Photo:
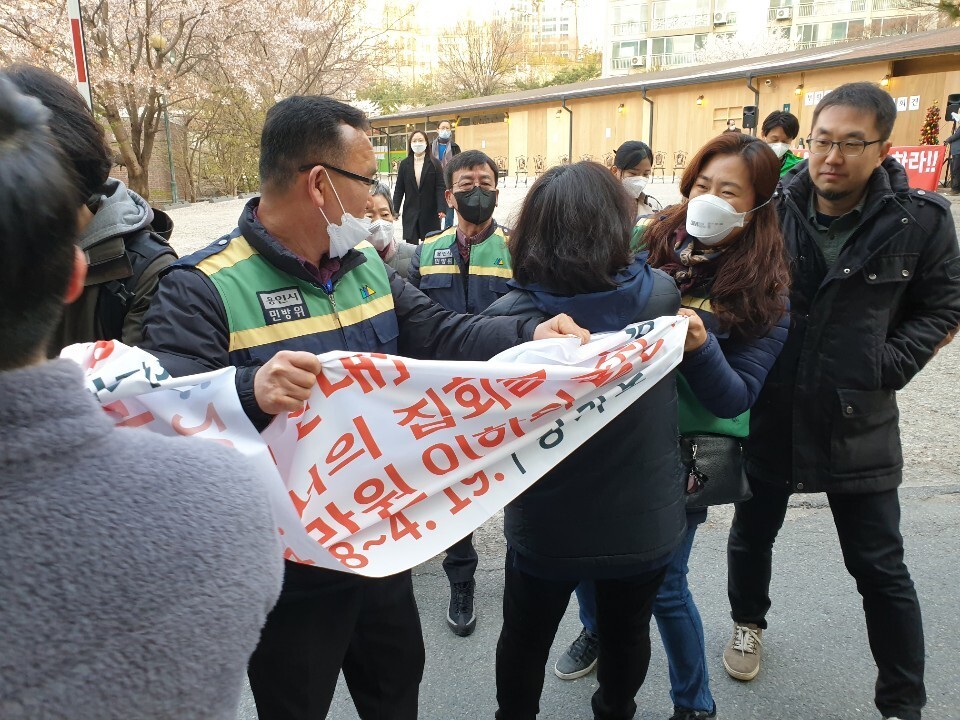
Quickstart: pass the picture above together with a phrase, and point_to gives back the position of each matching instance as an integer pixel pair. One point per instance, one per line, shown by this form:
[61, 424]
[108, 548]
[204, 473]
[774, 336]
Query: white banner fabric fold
[392, 460]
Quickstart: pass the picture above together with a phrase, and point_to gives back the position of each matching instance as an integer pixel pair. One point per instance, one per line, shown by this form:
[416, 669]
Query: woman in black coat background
[420, 189]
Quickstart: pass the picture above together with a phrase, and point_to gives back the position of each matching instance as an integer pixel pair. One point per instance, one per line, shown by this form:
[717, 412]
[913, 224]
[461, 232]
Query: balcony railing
[889, 5]
[838, 7]
[673, 59]
[638, 27]
[678, 22]
[818, 43]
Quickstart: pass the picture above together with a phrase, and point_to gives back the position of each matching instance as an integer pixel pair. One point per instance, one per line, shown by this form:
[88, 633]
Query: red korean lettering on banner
[124, 418]
[525, 384]
[304, 427]
[345, 443]
[475, 394]
[567, 403]
[493, 437]
[443, 458]
[374, 493]
[326, 531]
[210, 419]
[362, 369]
[440, 418]
[316, 487]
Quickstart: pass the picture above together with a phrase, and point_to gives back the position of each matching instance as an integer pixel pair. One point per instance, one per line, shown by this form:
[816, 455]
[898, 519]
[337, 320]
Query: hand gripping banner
[392, 460]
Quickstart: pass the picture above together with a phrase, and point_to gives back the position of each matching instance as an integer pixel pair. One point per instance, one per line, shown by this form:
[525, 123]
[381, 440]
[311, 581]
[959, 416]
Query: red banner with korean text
[923, 163]
[392, 460]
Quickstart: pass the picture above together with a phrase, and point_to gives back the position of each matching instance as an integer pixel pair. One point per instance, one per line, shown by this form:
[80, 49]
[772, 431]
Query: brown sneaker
[741, 656]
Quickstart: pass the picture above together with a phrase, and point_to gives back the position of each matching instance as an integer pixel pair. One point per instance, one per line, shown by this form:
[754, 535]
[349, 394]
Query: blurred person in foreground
[124, 241]
[136, 570]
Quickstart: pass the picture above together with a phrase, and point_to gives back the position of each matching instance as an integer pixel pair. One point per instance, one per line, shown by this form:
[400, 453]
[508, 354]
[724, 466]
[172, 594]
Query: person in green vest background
[465, 268]
[779, 130]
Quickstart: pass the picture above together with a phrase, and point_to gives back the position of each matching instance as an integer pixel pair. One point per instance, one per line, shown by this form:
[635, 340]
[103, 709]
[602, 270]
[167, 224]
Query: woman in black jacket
[420, 189]
[613, 511]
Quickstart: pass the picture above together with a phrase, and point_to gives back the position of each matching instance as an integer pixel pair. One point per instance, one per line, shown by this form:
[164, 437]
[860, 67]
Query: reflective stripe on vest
[488, 258]
[265, 305]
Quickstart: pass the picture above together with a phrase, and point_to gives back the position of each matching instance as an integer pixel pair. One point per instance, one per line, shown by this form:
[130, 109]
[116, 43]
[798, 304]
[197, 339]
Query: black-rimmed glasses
[371, 181]
[848, 148]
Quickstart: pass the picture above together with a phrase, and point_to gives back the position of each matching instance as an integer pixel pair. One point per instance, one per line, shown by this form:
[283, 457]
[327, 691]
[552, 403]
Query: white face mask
[444, 134]
[418, 147]
[349, 233]
[710, 219]
[381, 234]
[635, 185]
[779, 148]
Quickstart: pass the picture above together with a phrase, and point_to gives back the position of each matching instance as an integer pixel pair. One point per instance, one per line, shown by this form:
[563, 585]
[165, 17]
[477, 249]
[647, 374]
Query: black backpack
[142, 248]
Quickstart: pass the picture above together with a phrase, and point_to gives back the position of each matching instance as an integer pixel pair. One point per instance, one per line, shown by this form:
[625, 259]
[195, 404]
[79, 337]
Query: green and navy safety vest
[693, 416]
[442, 278]
[268, 310]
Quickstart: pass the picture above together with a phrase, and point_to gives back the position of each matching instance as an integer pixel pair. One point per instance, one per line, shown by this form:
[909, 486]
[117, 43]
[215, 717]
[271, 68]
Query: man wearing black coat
[876, 292]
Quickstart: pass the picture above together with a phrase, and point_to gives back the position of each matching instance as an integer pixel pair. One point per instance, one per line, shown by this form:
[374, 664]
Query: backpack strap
[116, 296]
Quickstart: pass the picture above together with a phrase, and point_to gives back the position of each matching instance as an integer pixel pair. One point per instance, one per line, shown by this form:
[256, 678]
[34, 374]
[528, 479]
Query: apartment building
[644, 35]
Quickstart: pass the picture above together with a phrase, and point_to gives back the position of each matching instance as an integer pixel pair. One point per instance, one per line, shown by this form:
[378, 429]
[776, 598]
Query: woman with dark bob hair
[723, 249]
[612, 511]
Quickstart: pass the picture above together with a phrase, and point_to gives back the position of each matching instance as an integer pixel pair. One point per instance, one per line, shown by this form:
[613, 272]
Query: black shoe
[580, 658]
[680, 713]
[460, 616]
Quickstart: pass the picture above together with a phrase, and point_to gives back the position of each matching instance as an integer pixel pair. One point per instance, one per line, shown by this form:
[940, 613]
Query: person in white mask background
[382, 234]
[779, 131]
[443, 149]
[724, 251]
[633, 166]
[419, 190]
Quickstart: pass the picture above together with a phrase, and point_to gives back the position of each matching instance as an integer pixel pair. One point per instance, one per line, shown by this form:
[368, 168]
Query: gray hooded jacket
[114, 264]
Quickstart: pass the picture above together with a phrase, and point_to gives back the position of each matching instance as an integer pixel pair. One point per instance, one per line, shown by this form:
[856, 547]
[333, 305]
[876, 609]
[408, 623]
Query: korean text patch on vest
[443, 257]
[283, 305]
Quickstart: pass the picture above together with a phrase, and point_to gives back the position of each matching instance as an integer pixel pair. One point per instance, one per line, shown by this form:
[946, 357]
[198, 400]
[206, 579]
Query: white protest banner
[392, 460]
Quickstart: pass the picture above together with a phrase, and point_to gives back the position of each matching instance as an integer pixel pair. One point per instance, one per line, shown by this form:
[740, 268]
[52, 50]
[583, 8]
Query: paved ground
[816, 660]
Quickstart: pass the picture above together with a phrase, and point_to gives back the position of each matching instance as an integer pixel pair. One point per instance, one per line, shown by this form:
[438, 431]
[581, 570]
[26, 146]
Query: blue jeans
[681, 630]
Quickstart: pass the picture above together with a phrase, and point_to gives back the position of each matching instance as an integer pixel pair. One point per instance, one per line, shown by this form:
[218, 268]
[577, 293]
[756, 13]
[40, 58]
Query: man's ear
[77, 276]
[451, 201]
[318, 186]
[884, 150]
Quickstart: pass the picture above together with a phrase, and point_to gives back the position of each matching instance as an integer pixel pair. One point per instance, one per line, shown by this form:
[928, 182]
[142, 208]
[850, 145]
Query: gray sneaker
[580, 658]
[741, 656]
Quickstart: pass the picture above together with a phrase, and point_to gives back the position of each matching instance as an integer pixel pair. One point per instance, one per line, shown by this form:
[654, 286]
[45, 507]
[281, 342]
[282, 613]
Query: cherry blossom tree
[190, 55]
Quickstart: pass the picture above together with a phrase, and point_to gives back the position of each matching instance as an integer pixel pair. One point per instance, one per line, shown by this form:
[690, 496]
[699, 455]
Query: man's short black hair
[38, 218]
[865, 96]
[302, 130]
[784, 120]
[73, 126]
[466, 160]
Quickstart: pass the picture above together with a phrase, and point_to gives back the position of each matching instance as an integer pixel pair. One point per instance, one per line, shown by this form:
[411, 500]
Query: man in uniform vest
[465, 268]
[295, 279]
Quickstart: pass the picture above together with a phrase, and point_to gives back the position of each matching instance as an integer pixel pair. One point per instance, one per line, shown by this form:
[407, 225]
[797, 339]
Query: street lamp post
[159, 44]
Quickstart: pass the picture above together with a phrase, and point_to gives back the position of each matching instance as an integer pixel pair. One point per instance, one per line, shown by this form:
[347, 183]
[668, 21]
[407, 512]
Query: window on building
[807, 33]
[626, 49]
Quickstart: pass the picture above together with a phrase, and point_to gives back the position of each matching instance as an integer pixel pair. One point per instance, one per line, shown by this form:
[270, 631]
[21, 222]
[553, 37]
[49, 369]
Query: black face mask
[476, 206]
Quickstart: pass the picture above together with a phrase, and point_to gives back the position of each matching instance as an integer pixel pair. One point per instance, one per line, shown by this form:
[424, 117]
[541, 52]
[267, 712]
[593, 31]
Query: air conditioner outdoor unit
[638, 61]
[720, 18]
[783, 13]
